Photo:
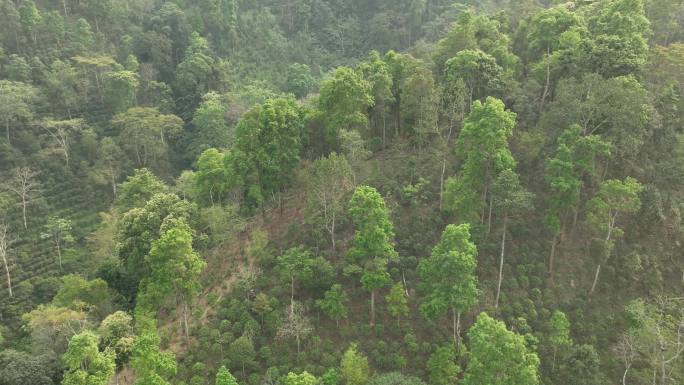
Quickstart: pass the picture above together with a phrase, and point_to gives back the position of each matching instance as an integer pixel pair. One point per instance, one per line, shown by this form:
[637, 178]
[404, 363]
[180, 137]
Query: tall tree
[175, 268]
[574, 160]
[295, 264]
[86, 364]
[397, 301]
[442, 366]
[329, 179]
[61, 132]
[448, 280]
[372, 244]
[333, 303]
[509, 198]
[151, 366]
[483, 143]
[295, 325]
[344, 98]
[615, 197]
[559, 334]
[224, 377]
[266, 149]
[498, 356]
[16, 100]
[620, 28]
[477, 70]
[354, 366]
[144, 133]
[59, 231]
[4, 254]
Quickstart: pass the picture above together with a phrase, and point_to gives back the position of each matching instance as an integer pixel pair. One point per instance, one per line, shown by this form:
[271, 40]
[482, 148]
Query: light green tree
[224, 377]
[329, 180]
[266, 150]
[615, 197]
[575, 158]
[448, 280]
[209, 126]
[16, 99]
[498, 356]
[509, 198]
[210, 179]
[295, 264]
[354, 367]
[59, 231]
[145, 132]
[138, 188]
[175, 268]
[344, 98]
[303, 378]
[442, 366]
[397, 301]
[86, 364]
[372, 244]
[151, 366]
[559, 334]
[333, 303]
[477, 70]
[483, 144]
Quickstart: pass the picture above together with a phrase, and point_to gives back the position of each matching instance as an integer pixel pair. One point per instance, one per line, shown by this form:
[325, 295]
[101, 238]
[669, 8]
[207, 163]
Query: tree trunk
[332, 230]
[59, 253]
[7, 130]
[489, 216]
[553, 253]
[456, 319]
[553, 362]
[23, 210]
[548, 79]
[185, 320]
[372, 315]
[9, 279]
[441, 183]
[291, 295]
[624, 375]
[596, 277]
[501, 262]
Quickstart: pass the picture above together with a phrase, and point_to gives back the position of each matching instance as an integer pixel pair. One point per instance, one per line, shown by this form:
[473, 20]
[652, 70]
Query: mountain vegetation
[341, 192]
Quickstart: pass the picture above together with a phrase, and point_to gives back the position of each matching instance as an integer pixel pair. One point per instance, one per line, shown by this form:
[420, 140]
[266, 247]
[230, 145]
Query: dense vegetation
[341, 192]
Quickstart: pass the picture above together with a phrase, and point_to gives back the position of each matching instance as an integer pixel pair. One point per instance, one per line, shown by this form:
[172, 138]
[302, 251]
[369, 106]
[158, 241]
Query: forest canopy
[341, 192]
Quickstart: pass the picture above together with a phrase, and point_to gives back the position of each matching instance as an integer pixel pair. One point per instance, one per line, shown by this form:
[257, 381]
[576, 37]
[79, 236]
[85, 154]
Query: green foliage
[145, 133]
[333, 303]
[498, 356]
[442, 366]
[448, 277]
[343, 99]
[86, 365]
[299, 80]
[224, 377]
[151, 366]
[354, 367]
[20, 368]
[209, 126]
[266, 150]
[483, 143]
[395, 378]
[614, 197]
[478, 70]
[373, 236]
[138, 189]
[397, 301]
[174, 266]
[303, 378]
[559, 328]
